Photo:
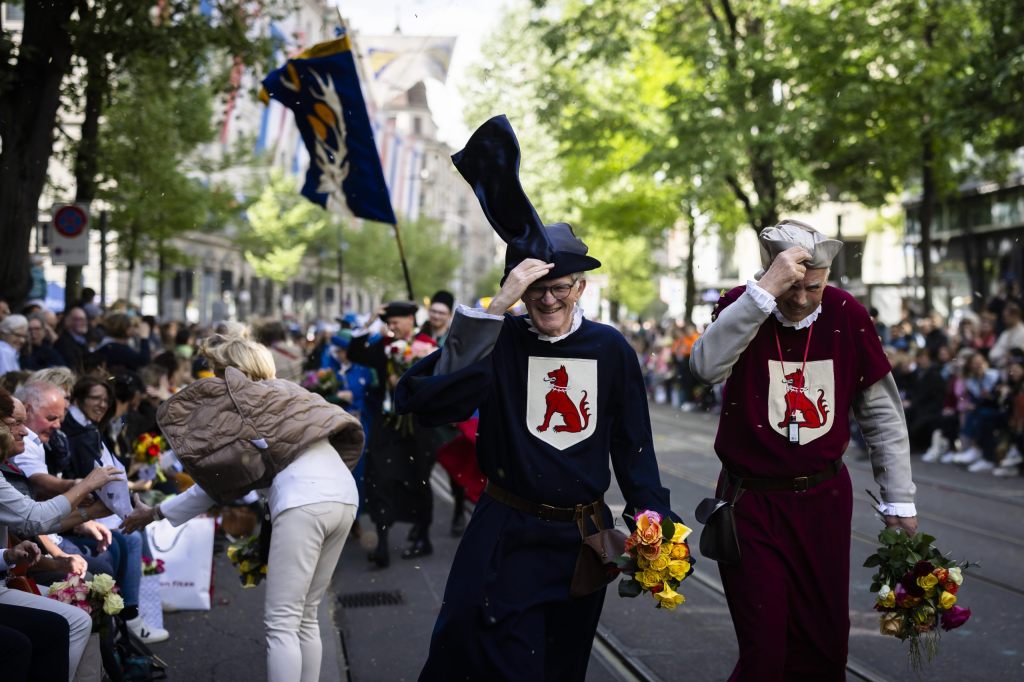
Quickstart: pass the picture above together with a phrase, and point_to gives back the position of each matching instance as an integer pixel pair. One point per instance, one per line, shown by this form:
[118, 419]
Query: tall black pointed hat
[490, 164]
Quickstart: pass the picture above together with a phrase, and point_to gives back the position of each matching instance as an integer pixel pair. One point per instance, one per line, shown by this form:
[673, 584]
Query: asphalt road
[384, 624]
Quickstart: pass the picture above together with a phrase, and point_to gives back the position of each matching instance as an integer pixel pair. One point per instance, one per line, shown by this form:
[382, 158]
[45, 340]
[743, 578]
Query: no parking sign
[69, 234]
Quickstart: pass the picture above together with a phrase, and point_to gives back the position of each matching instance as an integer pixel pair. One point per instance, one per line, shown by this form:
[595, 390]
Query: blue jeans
[126, 558]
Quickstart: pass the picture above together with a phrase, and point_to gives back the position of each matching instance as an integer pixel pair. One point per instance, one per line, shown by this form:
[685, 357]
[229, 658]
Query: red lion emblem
[796, 399]
[558, 402]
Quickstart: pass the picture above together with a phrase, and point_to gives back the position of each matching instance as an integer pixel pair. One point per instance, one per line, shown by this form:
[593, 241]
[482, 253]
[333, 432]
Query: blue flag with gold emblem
[321, 87]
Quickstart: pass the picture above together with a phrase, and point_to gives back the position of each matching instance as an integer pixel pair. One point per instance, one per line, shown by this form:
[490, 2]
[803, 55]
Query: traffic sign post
[69, 234]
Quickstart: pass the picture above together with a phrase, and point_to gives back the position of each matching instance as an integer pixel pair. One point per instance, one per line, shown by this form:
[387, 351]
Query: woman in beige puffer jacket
[243, 430]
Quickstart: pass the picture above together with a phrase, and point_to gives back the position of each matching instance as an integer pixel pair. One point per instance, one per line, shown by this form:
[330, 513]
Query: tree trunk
[926, 214]
[691, 276]
[86, 158]
[28, 115]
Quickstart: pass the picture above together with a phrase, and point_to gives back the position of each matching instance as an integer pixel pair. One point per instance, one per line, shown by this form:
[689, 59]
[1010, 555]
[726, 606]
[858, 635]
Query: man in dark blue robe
[560, 397]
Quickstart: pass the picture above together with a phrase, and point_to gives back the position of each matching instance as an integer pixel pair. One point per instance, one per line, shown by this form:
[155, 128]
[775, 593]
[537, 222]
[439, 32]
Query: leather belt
[798, 484]
[545, 512]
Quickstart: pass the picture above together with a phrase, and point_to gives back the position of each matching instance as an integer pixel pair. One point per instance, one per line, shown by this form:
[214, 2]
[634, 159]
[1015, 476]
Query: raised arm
[722, 343]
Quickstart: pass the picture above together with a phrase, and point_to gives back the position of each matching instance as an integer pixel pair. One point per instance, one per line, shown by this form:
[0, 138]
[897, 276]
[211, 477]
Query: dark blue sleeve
[632, 447]
[446, 398]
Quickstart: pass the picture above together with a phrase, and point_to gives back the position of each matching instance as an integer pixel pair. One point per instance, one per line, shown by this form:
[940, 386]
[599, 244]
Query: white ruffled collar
[577, 320]
[802, 324]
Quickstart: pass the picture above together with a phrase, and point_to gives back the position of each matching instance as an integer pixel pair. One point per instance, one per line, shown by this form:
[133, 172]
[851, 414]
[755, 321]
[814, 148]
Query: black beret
[398, 309]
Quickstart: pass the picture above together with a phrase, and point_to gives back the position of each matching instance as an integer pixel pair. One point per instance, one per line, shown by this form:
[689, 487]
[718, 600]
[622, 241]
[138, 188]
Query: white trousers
[304, 551]
[79, 622]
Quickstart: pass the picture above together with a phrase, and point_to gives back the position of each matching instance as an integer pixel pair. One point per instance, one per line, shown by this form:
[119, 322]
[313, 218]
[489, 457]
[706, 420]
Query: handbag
[595, 563]
[719, 540]
[187, 551]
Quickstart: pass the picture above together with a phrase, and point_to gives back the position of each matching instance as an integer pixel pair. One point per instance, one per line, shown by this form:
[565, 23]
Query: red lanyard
[778, 345]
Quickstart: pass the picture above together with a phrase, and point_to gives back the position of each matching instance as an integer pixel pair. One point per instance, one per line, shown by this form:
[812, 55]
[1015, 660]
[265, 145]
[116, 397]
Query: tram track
[873, 541]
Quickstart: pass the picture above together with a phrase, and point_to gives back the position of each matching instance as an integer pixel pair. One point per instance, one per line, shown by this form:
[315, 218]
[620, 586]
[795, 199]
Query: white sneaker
[936, 451]
[949, 457]
[148, 635]
[968, 456]
[1006, 472]
[1013, 458]
[982, 466]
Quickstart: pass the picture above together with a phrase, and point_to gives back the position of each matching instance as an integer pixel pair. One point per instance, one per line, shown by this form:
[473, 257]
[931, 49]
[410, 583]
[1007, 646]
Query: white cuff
[477, 313]
[902, 509]
[763, 300]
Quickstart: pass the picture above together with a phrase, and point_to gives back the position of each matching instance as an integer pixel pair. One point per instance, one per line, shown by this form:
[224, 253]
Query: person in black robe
[562, 402]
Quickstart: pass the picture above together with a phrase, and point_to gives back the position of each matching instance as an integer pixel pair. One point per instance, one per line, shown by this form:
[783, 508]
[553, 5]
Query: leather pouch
[719, 540]
[595, 564]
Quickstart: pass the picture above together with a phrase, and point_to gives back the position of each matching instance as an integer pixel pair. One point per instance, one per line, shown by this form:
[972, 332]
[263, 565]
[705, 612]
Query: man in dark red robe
[796, 355]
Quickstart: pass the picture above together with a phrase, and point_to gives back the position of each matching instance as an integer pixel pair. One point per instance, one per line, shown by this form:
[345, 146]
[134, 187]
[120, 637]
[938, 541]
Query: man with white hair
[13, 335]
[45, 406]
[796, 355]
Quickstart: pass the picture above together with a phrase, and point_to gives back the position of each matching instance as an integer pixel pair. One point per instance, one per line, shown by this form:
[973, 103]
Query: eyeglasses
[559, 291]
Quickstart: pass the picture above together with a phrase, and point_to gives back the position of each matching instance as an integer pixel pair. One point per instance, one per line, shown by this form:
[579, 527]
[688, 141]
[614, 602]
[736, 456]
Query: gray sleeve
[28, 517]
[471, 338]
[879, 412]
[722, 343]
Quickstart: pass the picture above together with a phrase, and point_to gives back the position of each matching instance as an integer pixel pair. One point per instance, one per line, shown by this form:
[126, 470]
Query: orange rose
[951, 587]
[648, 529]
[679, 551]
[941, 574]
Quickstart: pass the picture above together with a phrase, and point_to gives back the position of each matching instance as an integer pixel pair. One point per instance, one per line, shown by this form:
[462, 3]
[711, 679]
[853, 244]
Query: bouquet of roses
[323, 382]
[95, 597]
[401, 356]
[404, 354]
[148, 449]
[152, 566]
[657, 559]
[245, 556]
[916, 591]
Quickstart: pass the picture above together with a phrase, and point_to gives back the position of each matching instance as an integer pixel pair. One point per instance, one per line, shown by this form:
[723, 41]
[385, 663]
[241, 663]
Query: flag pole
[405, 266]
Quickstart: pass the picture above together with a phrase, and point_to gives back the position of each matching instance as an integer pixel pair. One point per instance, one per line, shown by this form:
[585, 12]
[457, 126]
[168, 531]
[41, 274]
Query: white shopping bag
[187, 551]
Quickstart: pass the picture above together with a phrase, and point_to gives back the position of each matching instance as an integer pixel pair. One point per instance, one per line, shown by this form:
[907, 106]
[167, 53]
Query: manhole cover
[355, 600]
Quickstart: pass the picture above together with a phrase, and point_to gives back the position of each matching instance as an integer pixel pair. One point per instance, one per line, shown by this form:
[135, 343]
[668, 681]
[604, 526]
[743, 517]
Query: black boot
[380, 556]
[420, 546]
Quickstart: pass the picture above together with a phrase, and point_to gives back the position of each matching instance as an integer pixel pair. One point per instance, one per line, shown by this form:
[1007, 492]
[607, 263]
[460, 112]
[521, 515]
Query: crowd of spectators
[79, 390]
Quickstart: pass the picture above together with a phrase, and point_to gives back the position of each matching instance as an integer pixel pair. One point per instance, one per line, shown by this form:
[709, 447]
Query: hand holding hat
[788, 250]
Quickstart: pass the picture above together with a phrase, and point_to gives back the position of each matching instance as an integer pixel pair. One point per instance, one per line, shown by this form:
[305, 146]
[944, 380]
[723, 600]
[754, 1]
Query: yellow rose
[102, 583]
[946, 600]
[642, 562]
[955, 576]
[680, 532]
[648, 579]
[661, 562]
[112, 604]
[668, 598]
[678, 569]
[928, 582]
[891, 624]
[888, 601]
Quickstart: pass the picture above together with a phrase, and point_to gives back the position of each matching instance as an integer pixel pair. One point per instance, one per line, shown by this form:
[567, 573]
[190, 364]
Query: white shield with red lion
[561, 400]
[806, 393]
